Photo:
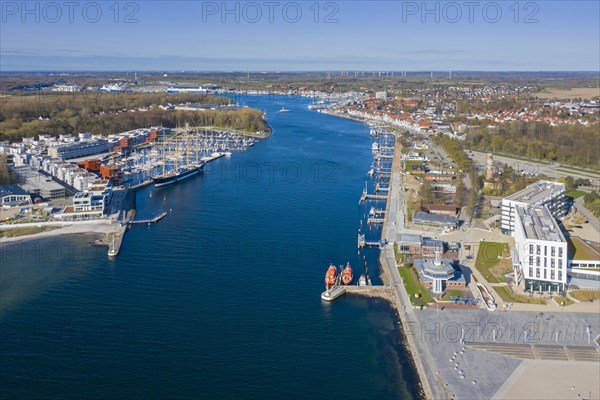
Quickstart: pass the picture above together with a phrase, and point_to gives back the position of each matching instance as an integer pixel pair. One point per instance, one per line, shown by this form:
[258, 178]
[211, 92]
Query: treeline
[247, 119]
[568, 144]
[27, 106]
[109, 113]
[454, 150]
[592, 203]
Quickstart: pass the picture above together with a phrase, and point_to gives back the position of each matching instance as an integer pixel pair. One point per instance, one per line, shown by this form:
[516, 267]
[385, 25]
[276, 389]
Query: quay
[151, 220]
[141, 185]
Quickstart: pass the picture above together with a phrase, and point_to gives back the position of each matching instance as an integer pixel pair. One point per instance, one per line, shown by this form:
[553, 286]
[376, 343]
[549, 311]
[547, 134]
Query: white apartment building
[540, 249]
[81, 148]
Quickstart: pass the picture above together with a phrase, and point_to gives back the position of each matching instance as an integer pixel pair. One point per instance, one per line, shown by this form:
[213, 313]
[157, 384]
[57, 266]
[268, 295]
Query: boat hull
[169, 180]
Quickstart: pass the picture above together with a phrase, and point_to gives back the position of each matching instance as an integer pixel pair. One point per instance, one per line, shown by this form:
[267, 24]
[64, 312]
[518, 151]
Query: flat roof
[539, 224]
[439, 219]
[537, 192]
[410, 238]
[11, 190]
[35, 180]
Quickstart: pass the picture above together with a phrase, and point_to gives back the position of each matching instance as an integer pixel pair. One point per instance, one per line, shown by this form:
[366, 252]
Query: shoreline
[99, 230]
[392, 296]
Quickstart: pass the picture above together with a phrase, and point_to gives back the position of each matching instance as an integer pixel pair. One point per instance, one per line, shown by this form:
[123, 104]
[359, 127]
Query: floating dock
[363, 243]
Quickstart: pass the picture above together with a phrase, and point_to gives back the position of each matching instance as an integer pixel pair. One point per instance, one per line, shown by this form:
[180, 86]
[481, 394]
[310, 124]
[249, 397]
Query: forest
[569, 144]
[107, 113]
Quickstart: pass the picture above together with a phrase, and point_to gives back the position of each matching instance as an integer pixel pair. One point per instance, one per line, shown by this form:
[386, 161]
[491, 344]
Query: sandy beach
[102, 229]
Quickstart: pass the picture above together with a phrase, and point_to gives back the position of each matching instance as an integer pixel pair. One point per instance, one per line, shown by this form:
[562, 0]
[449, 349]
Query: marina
[181, 153]
[170, 275]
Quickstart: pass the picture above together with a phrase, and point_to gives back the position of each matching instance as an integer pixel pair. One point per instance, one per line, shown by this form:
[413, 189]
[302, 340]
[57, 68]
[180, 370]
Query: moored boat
[331, 276]
[177, 175]
[347, 275]
[362, 281]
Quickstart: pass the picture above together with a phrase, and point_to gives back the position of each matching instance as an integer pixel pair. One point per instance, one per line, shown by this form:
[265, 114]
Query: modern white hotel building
[540, 250]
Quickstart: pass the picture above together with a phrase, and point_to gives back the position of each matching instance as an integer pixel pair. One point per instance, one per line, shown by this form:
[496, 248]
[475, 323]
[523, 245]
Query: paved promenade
[439, 340]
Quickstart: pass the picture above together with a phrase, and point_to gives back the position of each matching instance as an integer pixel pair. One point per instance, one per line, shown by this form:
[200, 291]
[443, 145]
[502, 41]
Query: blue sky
[293, 36]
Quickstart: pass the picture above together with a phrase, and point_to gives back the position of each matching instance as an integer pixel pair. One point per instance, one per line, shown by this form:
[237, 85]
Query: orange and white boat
[347, 275]
[331, 276]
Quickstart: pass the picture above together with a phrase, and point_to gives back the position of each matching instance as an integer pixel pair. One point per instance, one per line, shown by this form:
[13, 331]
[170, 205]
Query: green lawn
[561, 299]
[574, 194]
[452, 293]
[580, 250]
[489, 265]
[413, 286]
[585, 295]
[409, 164]
[508, 296]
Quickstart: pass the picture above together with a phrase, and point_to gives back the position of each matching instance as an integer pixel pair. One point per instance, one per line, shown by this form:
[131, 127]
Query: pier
[363, 243]
[338, 291]
[379, 188]
[366, 196]
[151, 220]
[116, 241]
[376, 212]
[373, 220]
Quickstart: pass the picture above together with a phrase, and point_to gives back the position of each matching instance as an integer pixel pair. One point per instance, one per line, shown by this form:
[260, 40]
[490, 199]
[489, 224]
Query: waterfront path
[431, 381]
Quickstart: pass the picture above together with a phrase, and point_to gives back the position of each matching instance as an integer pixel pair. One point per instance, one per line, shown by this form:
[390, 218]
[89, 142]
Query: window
[552, 274]
[537, 261]
[552, 251]
[545, 273]
[537, 272]
[530, 260]
[545, 250]
[560, 250]
[560, 275]
[531, 249]
[560, 263]
[545, 262]
[552, 263]
[530, 271]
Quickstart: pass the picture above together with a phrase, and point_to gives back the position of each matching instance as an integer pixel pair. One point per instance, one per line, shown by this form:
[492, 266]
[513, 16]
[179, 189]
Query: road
[533, 167]
[587, 214]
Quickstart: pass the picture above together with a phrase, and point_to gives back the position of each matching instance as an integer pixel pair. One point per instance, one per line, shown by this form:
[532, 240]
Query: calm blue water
[221, 298]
